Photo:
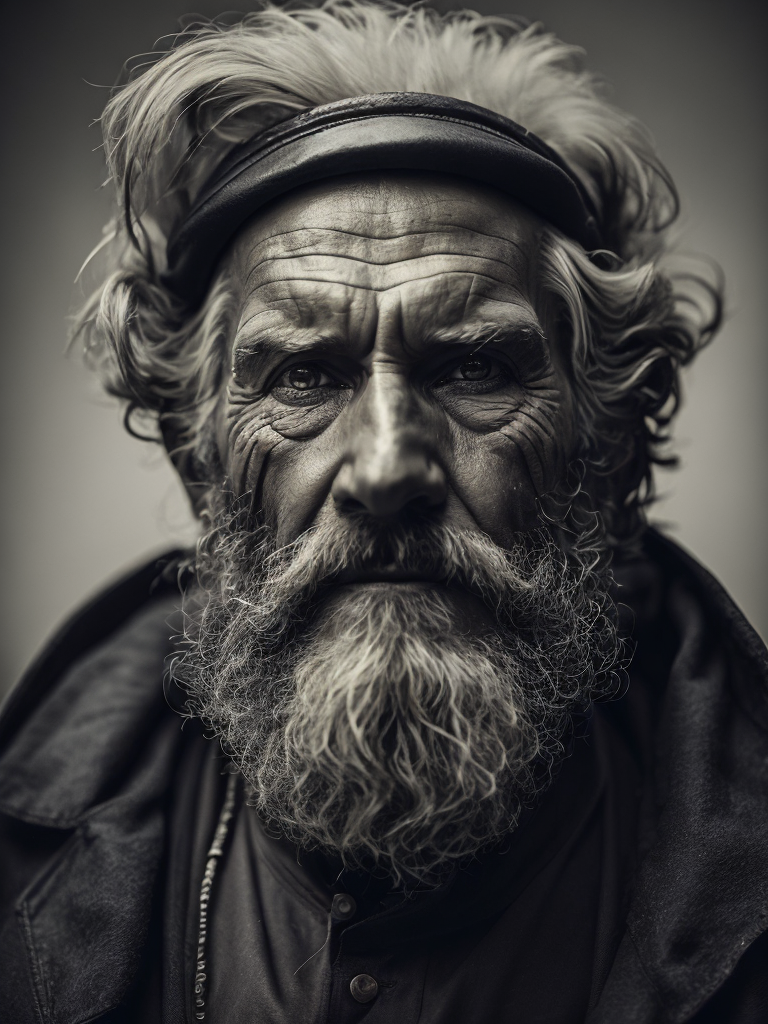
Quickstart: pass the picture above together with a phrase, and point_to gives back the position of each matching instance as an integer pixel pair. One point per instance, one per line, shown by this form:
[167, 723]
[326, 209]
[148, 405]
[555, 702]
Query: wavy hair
[631, 321]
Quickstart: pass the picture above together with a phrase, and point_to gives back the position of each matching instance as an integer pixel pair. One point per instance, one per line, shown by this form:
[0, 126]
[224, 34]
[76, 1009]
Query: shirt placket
[365, 982]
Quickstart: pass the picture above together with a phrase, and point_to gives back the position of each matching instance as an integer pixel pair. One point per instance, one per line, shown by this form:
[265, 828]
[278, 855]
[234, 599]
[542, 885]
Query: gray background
[83, 501]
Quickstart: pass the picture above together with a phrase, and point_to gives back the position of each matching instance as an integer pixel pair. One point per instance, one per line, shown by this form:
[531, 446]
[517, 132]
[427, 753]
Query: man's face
[393, 355]
[390, 641]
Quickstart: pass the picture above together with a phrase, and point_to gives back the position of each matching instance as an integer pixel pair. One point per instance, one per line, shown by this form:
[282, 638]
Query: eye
[306, 377]
[474, 368]
[307, 384]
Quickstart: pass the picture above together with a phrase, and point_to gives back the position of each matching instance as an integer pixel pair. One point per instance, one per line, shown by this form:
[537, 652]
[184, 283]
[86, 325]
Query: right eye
[306, 384]
[304, 378]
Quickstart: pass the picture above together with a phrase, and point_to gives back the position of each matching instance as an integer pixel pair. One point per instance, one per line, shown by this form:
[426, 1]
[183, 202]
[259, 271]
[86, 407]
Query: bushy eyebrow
[518, 333]
[285, 341]
[520, 328]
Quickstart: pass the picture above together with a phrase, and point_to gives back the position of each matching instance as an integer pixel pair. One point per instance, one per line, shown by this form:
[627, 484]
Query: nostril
[349, 504]
[428, 500]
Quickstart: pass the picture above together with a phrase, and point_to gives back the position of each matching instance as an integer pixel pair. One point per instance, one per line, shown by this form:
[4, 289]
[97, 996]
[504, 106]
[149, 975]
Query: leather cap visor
[378, 132]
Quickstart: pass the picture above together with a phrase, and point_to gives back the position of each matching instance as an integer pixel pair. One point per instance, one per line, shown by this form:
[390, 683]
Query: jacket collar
[88, 731]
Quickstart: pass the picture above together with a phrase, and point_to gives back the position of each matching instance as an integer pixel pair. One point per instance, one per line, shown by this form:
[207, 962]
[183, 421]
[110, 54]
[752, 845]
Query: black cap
[376, 132]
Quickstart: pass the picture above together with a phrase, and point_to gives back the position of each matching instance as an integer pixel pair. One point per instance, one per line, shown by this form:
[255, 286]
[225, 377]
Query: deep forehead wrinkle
[317, 256]
[335, 259]
[357, 278]
[338, 309]
[397, 209]
[313, 244]
[456, 238]
[445, 299]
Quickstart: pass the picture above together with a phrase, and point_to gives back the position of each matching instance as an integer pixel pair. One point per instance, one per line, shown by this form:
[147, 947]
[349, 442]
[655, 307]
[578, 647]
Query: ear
[195, 458]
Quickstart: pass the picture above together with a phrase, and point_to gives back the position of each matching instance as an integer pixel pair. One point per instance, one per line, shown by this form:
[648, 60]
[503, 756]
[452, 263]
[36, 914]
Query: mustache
[333, 553]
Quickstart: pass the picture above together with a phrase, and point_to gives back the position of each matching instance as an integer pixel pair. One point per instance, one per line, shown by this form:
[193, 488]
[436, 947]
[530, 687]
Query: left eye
[474, 368]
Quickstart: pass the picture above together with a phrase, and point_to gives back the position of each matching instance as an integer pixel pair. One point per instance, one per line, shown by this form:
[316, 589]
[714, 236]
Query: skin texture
[393, 354]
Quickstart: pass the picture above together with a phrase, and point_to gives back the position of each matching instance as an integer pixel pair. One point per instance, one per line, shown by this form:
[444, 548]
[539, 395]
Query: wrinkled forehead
[381, 232]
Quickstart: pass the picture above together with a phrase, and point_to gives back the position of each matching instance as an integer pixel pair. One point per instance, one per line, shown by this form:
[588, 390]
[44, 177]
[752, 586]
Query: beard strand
[388, 729]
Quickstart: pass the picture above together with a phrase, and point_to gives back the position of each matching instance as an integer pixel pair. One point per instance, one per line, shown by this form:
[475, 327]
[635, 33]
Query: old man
[464, 742]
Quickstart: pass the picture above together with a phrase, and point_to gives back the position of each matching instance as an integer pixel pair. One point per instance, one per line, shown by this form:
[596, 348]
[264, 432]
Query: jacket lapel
[85, 919]
[96, 756]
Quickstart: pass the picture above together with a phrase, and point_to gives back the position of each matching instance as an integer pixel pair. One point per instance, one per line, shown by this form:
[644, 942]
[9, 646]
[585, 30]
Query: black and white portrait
[385, 571]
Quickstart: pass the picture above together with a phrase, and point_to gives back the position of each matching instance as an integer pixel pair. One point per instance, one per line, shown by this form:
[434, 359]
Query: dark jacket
[92, 761]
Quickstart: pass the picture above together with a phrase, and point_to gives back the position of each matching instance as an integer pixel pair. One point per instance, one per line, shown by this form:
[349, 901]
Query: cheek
[491, 479]
[512, 452]
[284, 457]
[541, 432]
[295, 484]
[247, 441]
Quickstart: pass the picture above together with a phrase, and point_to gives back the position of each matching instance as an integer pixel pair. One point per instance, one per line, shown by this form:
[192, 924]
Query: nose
[389, 465]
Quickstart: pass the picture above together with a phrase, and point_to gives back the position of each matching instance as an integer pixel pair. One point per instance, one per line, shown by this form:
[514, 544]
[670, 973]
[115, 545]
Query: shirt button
[364, 988]
[343, 907]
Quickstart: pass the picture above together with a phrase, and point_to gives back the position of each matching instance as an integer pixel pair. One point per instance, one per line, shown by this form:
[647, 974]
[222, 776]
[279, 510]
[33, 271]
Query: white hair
[166, 130]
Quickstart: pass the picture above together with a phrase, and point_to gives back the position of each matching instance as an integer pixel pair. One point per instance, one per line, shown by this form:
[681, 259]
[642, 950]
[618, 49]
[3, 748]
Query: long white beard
[377, 723]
